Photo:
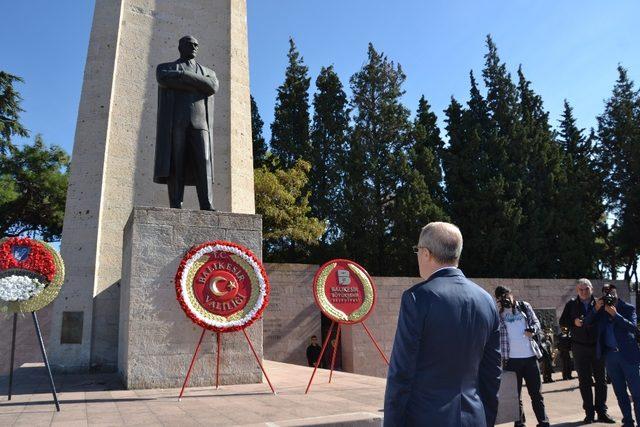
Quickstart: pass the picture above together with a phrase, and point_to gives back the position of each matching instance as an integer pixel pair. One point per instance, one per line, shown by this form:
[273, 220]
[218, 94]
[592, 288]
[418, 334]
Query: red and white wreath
[31, 274]
[222, 286]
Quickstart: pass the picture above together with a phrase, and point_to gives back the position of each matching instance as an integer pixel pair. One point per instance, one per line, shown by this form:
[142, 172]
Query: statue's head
[188, 47]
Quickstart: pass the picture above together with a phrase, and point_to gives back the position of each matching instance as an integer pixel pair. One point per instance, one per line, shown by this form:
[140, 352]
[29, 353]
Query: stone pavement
[98, 399]
[564, 405]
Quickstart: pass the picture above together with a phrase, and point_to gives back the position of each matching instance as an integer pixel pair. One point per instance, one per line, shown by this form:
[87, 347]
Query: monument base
[156, 339]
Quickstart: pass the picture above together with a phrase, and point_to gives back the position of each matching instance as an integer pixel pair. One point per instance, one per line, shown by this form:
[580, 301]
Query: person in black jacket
[583, 345]
[313, 351]
[564, 351]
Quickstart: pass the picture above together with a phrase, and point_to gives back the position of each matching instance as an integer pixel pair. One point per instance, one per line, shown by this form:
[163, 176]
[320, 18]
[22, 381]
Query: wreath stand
[333, 357]
[44, 357]
[219, 349]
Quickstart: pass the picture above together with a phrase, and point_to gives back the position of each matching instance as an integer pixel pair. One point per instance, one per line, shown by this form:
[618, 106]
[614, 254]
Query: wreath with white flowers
[31, 274]
[243, 263]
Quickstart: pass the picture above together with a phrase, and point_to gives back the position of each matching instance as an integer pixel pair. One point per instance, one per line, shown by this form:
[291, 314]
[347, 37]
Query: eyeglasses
[417, 248]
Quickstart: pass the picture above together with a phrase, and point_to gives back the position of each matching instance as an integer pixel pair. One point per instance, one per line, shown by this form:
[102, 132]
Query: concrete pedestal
[156, 338]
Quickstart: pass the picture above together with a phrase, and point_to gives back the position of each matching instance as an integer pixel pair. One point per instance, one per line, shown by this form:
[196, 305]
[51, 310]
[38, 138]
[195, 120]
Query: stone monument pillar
[112, 169]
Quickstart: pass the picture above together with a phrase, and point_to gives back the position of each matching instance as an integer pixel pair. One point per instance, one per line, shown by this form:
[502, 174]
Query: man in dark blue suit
[616, 342]
[445, 364]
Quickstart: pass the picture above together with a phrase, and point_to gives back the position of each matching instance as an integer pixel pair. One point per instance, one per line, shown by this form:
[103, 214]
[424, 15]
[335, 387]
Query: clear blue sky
[569, 48]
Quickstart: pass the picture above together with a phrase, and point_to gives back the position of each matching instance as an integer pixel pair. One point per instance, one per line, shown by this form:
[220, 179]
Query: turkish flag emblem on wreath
[222, 286]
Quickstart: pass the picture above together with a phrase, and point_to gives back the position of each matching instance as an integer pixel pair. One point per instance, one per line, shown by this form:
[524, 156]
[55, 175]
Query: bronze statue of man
[184, 139]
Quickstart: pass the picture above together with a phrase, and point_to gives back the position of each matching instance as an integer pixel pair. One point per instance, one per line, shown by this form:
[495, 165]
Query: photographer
[583, 345]
[519, 327]
[616, 342]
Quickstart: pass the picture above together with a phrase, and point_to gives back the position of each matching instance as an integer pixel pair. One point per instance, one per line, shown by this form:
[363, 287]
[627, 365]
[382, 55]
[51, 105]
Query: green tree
[476, 164]
[257, 138]
[378, 142]
[9, 111]
[543, 179]
[283, 202]
[619, 142]
[427, 148]
[582, 200]
[33, 187]
[329, 133]
[290, 127]
[420, 195]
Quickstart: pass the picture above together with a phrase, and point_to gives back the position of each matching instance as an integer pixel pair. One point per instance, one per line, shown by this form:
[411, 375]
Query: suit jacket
[172, 77]
[584, 335]
[445, 364]
[624, 329]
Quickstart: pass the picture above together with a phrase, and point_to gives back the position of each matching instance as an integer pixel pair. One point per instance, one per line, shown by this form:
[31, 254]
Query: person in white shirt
[520, 351]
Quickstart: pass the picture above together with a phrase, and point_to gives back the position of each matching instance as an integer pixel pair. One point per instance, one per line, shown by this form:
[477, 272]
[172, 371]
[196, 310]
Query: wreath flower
[31, 274]
[260, 287]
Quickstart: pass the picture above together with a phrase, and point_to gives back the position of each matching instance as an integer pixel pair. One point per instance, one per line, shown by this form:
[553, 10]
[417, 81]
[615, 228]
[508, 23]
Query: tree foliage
[506, 181]
[257, 138]
[329, 132]
[33, 187]
[290, 127]
[9, 111]
[283, 202]
[377, 148]
[619, 140]
[582, 200]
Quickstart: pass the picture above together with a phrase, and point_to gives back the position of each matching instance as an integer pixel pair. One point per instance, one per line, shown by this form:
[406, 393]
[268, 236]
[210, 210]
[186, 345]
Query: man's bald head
[188, 47]
[443, 240]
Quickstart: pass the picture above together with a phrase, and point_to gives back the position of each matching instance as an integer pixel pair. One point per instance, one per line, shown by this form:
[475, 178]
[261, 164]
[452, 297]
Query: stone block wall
[156, 338]
[292, 316]
[297, 318]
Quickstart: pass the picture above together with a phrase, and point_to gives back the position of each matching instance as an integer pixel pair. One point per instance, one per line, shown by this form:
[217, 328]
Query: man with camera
[616, 328]
[520, 349]
[583, 345]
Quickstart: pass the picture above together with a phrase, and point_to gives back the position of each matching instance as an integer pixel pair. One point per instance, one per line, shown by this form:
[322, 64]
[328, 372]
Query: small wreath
[344, 291]
[222, 286]
[31, 274]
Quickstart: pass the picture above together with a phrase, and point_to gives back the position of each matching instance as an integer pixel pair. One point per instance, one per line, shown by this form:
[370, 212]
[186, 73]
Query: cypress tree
[290, 127]
[257, 138]
[477, 197]
[505, 179]
[427, 148]
[619, 139]
[543, 177]
[379, 139]
[420, 196]
[329, 133]
[582, 198]
[9, 111]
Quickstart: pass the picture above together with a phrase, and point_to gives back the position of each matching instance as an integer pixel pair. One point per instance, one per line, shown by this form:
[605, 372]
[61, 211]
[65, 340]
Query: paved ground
[564, 405]
[99, 400]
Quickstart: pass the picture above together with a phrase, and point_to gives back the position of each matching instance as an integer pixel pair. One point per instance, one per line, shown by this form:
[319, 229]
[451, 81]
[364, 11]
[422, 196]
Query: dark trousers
[190, 148]
[547, 368]
[625, 374]
[567, 369]
[590, 368]
[528, 370]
